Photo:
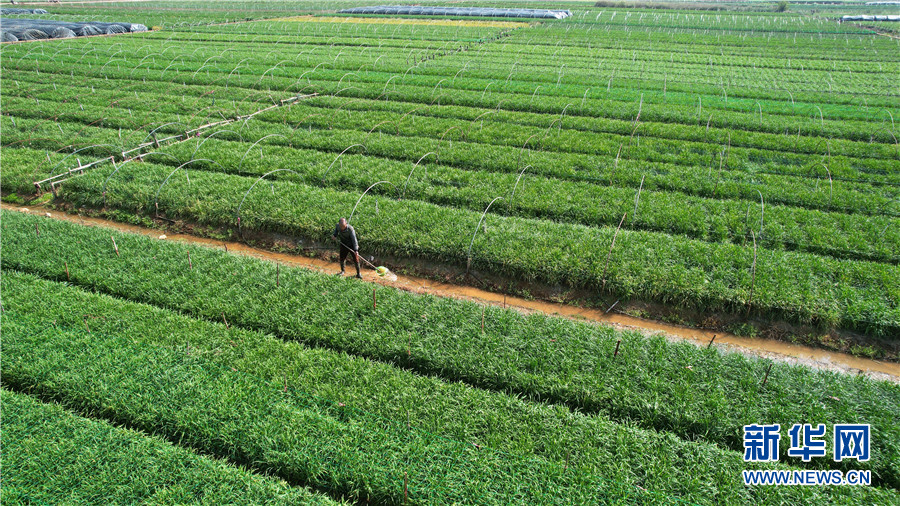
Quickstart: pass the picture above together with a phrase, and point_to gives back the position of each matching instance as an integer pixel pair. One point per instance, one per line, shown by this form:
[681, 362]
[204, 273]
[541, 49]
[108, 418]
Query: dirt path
[768, 348]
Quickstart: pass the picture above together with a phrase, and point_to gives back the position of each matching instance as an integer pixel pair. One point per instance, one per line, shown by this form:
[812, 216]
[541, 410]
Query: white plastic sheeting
[10, 11]
[15, 29]
[487, 12]
[870, 18]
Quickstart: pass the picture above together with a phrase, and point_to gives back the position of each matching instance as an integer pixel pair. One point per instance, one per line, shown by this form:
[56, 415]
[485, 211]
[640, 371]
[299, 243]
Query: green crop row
[695, 471]
[52, 456]
[724, 71]
[128, 99]
[189, 14]
[760, 146]
[517, 94]
[649, 382]
[714, 21]
[811, 188]
[515, 127]
[649, 266]
[65, 137]
[589, 36]
[558, 137]
[471, 90]
[698, 72]
[833, 234]
[706, 180]
[573, 118]
[205, 56]
[816, 193]
[172, 392]
[23, 166]
[542, 50]
[51, 135]
[135, 124]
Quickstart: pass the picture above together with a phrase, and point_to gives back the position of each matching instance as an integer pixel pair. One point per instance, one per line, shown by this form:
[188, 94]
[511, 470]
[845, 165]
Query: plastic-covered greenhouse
[6, 11]
[871, 18]
[419, 10]
[15, 29]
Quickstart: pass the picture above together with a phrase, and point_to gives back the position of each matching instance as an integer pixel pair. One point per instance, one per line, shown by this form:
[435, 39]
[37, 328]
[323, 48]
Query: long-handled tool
[380, 270]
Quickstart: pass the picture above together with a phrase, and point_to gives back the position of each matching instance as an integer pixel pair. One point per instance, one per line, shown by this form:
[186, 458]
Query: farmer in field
[346, 238]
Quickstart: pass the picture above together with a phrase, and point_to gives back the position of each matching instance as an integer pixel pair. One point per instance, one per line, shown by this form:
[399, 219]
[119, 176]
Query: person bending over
[346, 238]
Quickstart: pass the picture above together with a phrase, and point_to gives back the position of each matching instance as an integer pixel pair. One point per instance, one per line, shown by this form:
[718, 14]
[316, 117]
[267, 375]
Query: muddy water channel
[768, 348]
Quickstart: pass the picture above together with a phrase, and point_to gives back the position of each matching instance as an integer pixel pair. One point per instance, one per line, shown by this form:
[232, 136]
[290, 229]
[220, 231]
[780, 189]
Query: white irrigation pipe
[513, 194]
[477, 227]
[338, 157]
[403, 192]
[241, 164]
[364, 193]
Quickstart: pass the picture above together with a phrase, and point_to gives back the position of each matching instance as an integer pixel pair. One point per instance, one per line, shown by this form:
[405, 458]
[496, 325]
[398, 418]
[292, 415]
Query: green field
[732, 169]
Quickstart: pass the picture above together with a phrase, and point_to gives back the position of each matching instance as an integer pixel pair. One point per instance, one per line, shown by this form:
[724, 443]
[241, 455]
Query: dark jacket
[346, 237]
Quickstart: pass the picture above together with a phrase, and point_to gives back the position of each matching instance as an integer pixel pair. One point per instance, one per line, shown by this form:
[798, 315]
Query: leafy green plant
[537, 357]
[53, 456]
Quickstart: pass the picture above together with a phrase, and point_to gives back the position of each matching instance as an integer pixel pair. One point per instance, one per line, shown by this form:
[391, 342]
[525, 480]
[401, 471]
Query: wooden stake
[115, 245]
[277, 275]
[616, 354]
[374, 302]
[226, 246]
[190, 263]
[224, 320]
[37, 230]
[405, 489]
[767, 376]
[609, 255]
[711, 341]
[67, 271]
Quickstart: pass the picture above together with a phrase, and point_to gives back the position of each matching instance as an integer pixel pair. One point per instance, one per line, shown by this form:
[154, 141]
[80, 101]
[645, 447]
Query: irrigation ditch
[418, 276]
